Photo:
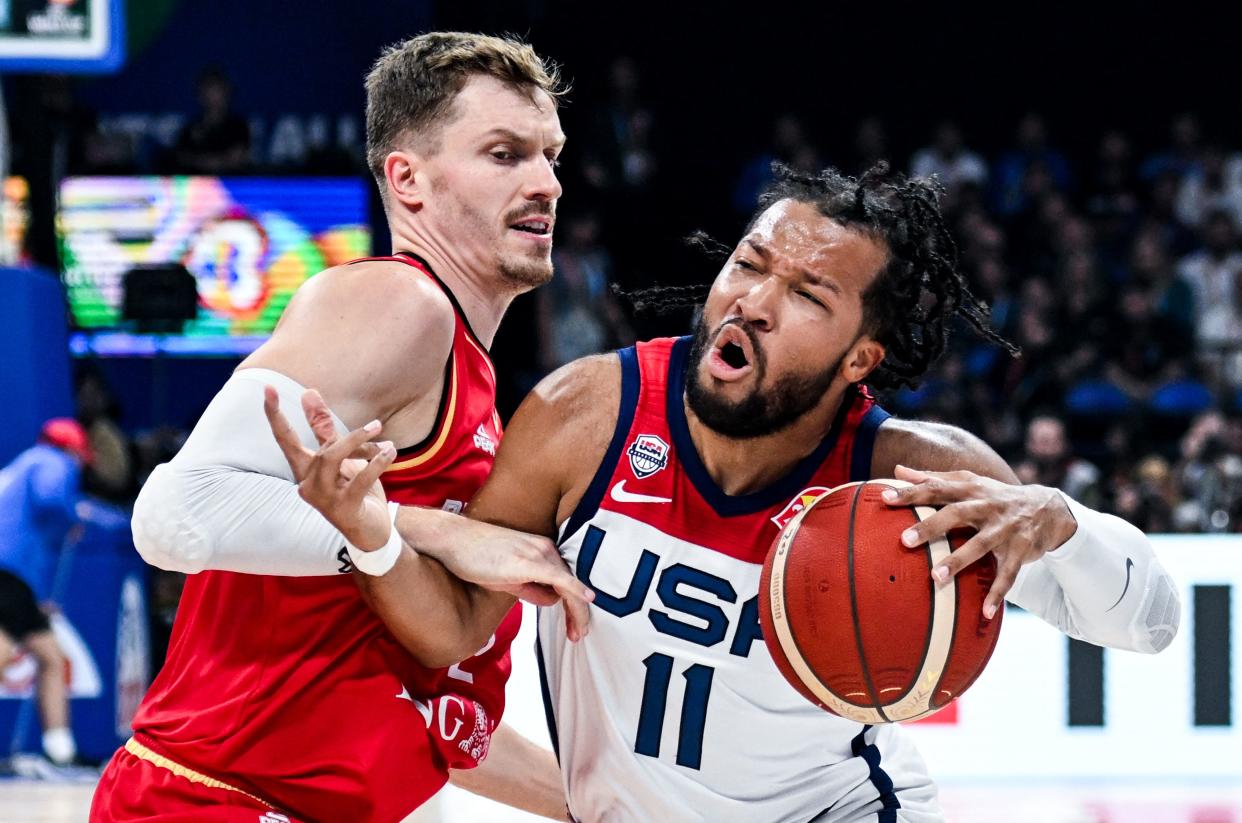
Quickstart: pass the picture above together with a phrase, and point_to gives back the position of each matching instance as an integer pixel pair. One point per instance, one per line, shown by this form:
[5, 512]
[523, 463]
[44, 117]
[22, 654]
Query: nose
[542, 183]
[757, 305]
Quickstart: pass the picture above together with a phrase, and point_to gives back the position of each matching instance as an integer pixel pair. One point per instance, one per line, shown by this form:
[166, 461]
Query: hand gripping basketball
[853, 618]
[1017, 524]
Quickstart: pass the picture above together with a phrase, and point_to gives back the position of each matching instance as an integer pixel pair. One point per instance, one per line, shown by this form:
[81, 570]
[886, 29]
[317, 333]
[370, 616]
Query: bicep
[524, 488]
[935, 447]
[551, 449]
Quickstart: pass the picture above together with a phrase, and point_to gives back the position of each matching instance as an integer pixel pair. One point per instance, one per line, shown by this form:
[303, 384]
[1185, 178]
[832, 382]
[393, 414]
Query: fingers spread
[290, 445]
[319, 416]
[966, 515]
[1005, 577]
[362, 483]
[970, 551]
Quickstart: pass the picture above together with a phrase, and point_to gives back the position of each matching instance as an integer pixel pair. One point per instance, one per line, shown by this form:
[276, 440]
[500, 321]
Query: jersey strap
[590, 501]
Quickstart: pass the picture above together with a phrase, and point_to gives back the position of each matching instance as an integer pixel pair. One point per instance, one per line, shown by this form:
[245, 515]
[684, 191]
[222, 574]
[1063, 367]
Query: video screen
[249, 243]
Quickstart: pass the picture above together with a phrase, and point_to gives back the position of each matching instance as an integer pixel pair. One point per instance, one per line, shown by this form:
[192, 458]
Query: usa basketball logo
[648, 454]
[801, 500]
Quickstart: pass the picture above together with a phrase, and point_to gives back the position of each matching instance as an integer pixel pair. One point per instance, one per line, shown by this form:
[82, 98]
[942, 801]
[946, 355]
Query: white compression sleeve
[1104, 585]
[227, 501]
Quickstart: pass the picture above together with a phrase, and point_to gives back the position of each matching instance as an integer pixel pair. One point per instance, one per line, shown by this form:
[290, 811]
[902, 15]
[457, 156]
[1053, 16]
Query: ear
[862, 359]
[405, 183]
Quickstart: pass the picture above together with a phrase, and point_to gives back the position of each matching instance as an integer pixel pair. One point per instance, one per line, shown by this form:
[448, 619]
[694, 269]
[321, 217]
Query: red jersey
[292, 689]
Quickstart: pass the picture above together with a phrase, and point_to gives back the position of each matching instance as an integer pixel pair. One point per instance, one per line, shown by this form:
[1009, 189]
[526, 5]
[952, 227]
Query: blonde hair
[413, 85]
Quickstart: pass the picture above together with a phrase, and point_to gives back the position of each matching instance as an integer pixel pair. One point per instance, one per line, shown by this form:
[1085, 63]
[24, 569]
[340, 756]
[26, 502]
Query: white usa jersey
[671, 709]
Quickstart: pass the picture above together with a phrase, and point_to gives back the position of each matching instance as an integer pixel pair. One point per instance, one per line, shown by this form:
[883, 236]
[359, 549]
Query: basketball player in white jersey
[666, 470]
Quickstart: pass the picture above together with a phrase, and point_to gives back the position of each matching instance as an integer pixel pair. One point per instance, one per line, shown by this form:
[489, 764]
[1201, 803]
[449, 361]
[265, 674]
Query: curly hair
[909, 305]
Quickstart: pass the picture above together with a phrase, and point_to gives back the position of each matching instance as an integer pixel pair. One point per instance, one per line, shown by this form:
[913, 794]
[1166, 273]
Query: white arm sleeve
[228, 502]
[1104, 585]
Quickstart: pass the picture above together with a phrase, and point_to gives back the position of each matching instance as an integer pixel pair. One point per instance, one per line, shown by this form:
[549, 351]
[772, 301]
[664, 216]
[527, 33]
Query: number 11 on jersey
[693, 709]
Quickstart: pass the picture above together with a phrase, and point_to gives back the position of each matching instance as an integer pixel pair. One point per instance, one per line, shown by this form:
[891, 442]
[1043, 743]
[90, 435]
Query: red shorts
[140, 785]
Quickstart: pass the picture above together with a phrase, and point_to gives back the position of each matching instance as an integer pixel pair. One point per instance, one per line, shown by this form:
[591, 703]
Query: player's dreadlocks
[910, 303]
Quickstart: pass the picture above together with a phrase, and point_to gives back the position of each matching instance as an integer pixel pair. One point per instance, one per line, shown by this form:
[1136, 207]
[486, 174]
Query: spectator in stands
[870, 144]
[1150, 266]
[1143, 350]
[1147, 496]
[1182, 154]
[948, 159]
[1113, 189]
[218, 140]
[789, 144]
[1209, 476]
[577, 313]
[111, 475]
[1048, 460]
[1031, 160]
[1211, 272]
[1205, 189]
[38, 513]
[1220, 337]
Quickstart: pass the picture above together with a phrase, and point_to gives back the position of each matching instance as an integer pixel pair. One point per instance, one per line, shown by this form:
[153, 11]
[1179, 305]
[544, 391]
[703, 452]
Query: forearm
[437, 617]
[517, 773]
[1104, 585]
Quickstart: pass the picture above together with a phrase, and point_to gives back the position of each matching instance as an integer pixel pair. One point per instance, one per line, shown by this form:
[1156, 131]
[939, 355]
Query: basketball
[854, 619]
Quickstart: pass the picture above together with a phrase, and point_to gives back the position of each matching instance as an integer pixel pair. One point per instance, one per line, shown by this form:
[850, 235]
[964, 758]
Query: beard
[524, 270]
[762, 411]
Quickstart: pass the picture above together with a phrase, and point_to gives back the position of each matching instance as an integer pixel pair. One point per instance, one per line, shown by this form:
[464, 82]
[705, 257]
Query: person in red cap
[38, 503]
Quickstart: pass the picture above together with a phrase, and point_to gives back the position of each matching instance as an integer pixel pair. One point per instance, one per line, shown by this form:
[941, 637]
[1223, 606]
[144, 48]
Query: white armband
[378, 562]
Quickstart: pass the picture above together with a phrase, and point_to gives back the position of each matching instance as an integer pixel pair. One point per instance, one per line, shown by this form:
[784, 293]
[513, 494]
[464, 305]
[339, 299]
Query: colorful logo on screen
[249, 242]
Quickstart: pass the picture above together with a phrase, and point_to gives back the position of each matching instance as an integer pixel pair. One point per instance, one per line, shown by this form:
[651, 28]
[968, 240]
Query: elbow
[439, 652]
[165, 533]
[462, 642]
[1157, 623]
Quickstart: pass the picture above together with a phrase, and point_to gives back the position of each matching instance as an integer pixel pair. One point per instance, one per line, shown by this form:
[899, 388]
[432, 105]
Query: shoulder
[379, 290]
[376, 333]
[571, 412]
[919, 444]
[371, 307]
[586, 388]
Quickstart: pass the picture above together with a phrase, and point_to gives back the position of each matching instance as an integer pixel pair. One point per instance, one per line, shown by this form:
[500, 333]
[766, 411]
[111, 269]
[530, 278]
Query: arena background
[1094, 184]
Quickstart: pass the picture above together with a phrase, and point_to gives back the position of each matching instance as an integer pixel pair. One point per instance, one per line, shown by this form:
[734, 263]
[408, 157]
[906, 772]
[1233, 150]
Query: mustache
[533, 210]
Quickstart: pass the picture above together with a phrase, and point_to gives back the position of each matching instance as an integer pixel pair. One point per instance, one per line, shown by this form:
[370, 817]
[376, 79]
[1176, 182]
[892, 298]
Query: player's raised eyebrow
[766, 253]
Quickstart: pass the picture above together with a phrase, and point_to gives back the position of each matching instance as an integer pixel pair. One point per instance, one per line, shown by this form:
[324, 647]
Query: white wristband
[379, 561]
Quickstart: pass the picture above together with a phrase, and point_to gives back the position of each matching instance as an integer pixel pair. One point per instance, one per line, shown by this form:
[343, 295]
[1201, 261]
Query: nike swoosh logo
[620, 495]
[1129, 566]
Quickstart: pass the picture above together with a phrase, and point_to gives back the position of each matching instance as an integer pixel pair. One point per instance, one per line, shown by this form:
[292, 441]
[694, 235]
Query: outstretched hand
[1018, 524]
[341, 478]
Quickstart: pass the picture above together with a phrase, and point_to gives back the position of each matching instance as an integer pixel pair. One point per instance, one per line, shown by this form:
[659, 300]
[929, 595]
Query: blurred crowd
[1117, 270]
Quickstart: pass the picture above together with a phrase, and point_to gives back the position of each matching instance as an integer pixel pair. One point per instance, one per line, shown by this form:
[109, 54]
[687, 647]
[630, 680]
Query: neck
[482, 294]
[744, 466]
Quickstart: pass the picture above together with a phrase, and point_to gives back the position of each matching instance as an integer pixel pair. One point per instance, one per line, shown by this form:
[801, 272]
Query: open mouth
[537, 226]
[733, 355]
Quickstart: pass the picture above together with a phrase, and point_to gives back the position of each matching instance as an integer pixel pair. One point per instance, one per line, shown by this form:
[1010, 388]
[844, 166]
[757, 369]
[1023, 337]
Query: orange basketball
[854, 619]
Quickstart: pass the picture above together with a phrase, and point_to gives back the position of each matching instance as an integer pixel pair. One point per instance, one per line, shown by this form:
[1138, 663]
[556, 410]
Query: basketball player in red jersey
[285, 697]
[666, 471]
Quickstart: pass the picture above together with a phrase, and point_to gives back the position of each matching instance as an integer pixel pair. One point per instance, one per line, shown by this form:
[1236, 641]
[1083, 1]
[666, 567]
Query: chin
[529, 273]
